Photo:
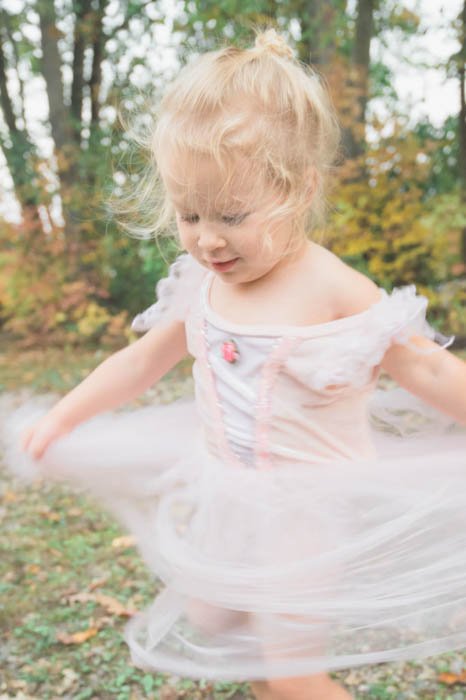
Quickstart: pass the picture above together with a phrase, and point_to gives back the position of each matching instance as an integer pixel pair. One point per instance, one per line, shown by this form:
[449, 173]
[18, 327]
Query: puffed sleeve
[394, 411]
[402, 315]
[174, 294]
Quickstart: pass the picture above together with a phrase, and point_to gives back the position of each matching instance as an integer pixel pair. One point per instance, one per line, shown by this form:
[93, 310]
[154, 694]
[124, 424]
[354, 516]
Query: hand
[39, 435]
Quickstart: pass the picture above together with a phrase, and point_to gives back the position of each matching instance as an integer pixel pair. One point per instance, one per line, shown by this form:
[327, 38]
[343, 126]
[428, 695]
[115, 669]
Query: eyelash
[228, 220]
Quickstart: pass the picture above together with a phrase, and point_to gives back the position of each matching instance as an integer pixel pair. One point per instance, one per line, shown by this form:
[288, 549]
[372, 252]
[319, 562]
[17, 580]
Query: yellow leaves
[55, 289]
[381, 222]
[117, 326]
[59, 317]
[93, 320]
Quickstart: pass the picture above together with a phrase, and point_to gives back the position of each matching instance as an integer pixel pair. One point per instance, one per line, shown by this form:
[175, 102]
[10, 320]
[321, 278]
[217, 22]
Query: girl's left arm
[437, 377]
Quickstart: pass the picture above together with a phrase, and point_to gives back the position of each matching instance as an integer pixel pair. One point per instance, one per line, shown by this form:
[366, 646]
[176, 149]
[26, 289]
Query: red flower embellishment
[230, 351]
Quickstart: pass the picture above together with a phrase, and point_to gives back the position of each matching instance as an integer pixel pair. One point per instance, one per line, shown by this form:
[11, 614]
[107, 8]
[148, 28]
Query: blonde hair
[258, 108]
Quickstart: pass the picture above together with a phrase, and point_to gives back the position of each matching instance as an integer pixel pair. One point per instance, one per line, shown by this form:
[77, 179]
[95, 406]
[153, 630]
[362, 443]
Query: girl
[300, 520]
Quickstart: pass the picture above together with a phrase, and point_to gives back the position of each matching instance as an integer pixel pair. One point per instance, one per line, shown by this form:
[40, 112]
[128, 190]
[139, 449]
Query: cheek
[250, 239]
[186, 236]
[256, 243]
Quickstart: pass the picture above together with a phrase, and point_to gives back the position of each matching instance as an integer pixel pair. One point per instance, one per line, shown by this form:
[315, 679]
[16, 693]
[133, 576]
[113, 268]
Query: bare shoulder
[350, 291]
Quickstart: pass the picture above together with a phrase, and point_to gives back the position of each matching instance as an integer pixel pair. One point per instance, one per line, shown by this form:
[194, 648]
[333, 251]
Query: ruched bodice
[263, 407]
[296, 393]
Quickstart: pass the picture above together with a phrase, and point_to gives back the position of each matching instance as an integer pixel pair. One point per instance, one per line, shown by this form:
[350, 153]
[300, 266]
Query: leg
[319, 686]
[316, 687]
[211, 619]
[260, 690]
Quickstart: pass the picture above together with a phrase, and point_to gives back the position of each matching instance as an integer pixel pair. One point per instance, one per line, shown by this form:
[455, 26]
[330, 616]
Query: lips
[225, 265]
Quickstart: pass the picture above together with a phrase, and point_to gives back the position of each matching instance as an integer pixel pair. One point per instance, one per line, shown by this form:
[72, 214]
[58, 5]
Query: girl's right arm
[120, 378]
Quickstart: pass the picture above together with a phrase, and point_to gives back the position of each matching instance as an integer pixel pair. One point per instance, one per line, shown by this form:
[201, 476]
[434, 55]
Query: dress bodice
[295, 393]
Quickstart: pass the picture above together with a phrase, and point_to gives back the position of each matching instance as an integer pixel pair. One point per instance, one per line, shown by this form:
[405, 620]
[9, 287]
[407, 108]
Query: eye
[234, 220]
[189, 218]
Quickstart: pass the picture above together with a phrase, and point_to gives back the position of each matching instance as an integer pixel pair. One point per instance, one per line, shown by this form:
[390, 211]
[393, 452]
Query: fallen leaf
[10, 497]
[32, 568]
[452, 678]
[48, 514]
[77, 637]
[110, 604]
[123, 542]
[96, 583]
[83, 597]
[113, 606]
[52, 516]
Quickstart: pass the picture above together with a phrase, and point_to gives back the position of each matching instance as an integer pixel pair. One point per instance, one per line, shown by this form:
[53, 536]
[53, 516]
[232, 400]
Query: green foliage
[441, 146]
[394, 219]
[397, 213]
[393, 225]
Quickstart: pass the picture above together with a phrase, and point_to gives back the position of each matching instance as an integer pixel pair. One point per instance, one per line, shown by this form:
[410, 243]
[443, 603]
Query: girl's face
[226, 230]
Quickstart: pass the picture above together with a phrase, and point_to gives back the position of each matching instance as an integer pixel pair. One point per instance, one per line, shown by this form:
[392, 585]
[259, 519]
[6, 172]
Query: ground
[70, 578]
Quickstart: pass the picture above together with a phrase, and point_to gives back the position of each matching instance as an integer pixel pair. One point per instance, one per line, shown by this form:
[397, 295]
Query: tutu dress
[300, 517]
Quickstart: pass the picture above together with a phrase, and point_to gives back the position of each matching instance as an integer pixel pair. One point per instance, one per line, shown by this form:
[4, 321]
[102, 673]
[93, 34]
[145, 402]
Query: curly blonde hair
[257, 108]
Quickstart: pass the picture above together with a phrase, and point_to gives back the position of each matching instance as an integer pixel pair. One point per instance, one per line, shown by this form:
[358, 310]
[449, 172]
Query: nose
[209, 239]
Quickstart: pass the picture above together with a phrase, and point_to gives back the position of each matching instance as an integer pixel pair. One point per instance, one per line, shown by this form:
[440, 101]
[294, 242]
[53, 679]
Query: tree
[86, 55]
[462, 119]
[19, 151]
[76, 38]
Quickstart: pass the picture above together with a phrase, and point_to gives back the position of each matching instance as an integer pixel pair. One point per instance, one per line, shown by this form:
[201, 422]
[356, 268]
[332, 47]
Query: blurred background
[395, 69]
[71, 279]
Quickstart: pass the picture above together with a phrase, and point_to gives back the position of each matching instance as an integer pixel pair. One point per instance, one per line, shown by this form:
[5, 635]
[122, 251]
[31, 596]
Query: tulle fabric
[284, 571]
[299, 518]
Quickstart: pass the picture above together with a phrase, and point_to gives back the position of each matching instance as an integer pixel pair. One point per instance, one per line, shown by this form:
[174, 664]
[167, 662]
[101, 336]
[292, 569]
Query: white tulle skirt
[280, 572]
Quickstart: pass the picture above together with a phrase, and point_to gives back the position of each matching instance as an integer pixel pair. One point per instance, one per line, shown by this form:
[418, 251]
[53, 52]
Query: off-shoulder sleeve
[343, 354]
[174, 293]
[402, 315]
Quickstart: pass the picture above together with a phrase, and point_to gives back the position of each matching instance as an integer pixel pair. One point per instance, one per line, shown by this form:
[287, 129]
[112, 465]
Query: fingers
[35, 440]
[38, 446]
[26, 438]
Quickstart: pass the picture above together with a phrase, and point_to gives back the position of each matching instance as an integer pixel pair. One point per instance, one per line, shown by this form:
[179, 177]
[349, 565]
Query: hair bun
[270, 40]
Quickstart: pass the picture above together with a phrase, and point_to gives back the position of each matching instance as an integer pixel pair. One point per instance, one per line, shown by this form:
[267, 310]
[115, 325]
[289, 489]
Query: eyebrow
[233, 210]
[184, 203]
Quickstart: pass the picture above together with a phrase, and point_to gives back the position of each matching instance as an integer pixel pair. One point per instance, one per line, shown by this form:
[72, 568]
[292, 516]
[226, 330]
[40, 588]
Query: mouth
[224, 266]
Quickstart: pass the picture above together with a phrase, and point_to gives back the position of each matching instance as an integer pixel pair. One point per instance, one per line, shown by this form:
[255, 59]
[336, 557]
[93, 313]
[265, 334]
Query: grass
[56, 545]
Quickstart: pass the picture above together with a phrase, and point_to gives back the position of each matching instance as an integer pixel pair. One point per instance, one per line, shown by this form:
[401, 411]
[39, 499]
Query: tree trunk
[318, 36]
[66, 150]
[20, 154]
[81, 33]
[462, 123]
[97, 55]
[51, 69]
[358, 83]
